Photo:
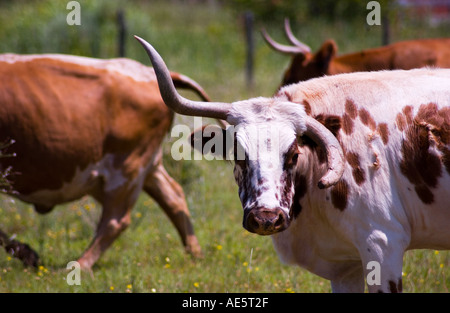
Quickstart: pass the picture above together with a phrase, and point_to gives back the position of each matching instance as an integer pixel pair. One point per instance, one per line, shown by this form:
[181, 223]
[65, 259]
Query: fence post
[248, 17]
[122, 30]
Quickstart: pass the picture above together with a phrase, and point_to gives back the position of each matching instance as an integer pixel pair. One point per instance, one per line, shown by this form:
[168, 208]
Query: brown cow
[401, 55]
[88, 126]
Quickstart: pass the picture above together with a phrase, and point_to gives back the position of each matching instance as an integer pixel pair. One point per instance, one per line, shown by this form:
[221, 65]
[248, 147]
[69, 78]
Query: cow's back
[67, 114]
[400, 55]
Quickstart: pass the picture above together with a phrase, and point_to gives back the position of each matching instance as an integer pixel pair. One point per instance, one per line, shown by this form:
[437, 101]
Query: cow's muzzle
[263, 221]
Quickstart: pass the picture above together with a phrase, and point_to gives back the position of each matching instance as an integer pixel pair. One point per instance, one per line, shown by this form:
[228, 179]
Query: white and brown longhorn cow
[342, 171]
[88, 126]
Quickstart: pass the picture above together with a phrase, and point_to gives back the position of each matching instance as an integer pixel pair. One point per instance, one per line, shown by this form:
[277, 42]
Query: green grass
[208, 46]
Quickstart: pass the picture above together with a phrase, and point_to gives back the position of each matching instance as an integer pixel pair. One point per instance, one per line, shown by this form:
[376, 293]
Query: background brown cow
[400, 55]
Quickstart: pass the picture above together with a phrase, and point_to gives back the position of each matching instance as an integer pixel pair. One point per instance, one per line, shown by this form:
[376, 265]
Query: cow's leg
[19, 250]
[115, 218]
[389, 270]
[349, 279]
[382, 263]
[170, 196]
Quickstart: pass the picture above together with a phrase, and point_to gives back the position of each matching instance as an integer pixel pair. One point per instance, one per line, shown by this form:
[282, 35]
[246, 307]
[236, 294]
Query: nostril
[279, 221]
[252, 223]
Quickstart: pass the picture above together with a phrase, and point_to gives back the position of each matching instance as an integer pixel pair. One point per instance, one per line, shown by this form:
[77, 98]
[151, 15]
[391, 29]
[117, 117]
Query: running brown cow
[400, 55]
[82, 126]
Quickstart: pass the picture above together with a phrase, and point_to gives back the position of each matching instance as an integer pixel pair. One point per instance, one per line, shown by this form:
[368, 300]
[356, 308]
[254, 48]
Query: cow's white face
[266, 130]
[266, 154]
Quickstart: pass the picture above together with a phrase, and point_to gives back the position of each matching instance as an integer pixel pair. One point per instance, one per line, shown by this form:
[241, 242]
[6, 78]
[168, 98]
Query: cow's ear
[325, 54]
[213, 141]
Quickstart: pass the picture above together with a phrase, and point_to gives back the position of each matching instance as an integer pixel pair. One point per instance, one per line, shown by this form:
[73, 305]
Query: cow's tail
[184, 82]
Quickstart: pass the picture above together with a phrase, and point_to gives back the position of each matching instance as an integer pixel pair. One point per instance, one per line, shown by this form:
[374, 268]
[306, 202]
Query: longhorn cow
[341, 171]
[88, 126]
[400, 55]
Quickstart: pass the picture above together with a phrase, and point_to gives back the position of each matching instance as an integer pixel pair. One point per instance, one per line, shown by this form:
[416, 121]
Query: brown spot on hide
[420, 164]
[350, 109]
[367, 119]
[401, 121]
[424, 193]
[358, 173]
[407, 111]
[384, 132]
[339, 195]
[347, 124]
[331, 122]
[299, 193]
[307, 107]
[285, 95]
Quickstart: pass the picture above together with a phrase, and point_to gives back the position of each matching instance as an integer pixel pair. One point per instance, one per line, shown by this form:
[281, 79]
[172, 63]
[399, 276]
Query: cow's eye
[295, 158]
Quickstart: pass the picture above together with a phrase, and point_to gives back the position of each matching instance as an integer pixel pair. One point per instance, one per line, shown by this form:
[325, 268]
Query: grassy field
[208, 45]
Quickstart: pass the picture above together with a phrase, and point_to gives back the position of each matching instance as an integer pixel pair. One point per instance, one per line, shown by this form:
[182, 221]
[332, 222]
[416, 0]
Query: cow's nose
[263, 221]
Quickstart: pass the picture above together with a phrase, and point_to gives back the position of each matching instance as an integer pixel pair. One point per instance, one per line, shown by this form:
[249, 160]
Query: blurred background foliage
[301, 10]
[40, 25]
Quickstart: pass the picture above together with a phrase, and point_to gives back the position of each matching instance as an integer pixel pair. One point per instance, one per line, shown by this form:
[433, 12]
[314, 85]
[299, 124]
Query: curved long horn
[292, 39]
[335, 157]
[171, 97]
[279, 47]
